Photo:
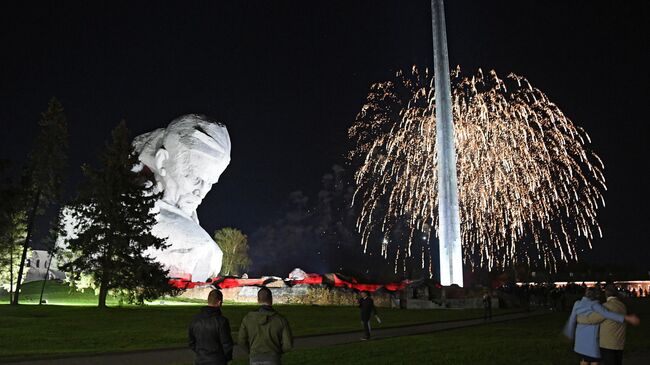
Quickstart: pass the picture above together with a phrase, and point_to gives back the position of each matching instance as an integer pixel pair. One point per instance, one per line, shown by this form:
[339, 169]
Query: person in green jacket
[265, 334]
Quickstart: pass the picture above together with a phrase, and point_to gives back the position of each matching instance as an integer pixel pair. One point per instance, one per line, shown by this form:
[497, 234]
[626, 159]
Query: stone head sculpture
[186, 158]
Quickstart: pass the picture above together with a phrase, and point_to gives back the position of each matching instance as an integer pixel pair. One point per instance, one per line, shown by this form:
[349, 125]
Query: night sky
[288, 78]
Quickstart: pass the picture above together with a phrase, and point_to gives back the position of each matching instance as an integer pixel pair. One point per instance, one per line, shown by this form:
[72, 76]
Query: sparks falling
[529, 189]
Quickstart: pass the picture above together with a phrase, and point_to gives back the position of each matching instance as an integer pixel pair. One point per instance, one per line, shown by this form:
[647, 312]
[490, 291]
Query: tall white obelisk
[451, 256]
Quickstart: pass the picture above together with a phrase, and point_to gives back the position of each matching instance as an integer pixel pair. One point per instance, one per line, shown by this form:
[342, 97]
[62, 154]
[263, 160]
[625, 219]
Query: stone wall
[297, 294]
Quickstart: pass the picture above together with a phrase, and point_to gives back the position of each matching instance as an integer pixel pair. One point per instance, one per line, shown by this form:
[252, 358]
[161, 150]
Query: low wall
[297, 294]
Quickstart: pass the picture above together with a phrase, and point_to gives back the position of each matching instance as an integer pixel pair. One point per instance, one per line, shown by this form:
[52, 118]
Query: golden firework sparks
[529, 189]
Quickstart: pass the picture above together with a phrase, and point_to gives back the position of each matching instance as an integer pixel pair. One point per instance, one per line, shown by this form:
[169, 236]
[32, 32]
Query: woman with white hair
[586, 335]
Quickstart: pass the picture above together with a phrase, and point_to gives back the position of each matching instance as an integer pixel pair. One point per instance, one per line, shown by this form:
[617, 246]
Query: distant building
[638, 288]
[37, 267]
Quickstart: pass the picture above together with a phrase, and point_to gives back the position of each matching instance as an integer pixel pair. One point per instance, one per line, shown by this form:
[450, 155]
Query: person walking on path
[265, 334]
[487, 306]
[209, 334]
[586, 335]
[367, 309]
[612, 334]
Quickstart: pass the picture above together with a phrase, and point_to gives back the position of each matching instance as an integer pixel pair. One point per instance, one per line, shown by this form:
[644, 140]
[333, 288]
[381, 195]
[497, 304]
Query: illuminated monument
[186, 159]
[518, 171]
[451, 256]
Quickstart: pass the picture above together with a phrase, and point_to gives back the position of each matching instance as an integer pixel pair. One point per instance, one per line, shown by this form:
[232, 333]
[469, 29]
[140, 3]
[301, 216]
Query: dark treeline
[319, 234]
[112, 211]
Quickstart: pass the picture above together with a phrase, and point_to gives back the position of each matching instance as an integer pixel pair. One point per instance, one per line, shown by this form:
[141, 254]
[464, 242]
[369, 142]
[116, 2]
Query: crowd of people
[598, 330]
[264, 334]
[558, 297]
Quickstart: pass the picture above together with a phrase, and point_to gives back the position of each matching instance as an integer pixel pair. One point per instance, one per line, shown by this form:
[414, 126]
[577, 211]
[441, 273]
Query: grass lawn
[530, 341]
[37, 331]
[55, 293]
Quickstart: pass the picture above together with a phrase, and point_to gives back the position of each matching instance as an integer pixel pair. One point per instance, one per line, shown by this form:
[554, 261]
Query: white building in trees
[37, 266]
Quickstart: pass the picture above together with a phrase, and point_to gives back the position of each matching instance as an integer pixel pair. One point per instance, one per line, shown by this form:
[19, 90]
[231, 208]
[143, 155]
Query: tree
[55, 231]
[234, 245]
[11, 238]
[43, 176]
[12, 230]
[115, 218]
[69, 225]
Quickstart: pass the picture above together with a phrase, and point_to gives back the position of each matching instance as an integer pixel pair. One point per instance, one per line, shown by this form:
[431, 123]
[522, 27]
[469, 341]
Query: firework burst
[529, 189]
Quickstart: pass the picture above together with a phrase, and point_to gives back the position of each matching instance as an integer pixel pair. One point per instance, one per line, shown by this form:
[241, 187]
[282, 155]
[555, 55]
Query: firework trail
[529, 190]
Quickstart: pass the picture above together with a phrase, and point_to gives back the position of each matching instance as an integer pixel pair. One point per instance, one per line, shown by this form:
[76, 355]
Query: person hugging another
[586, 335]
[611, 333]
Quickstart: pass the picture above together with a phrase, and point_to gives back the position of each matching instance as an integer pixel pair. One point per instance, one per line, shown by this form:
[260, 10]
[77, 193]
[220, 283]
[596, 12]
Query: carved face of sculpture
[187, 177]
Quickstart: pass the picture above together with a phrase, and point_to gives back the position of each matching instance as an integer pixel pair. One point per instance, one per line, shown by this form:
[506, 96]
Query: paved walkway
[184, 355]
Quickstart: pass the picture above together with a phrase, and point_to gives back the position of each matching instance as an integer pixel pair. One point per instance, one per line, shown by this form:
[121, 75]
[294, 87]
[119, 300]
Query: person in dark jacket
[209, 334]
[367, 307]
[487, 306]
[265, 334]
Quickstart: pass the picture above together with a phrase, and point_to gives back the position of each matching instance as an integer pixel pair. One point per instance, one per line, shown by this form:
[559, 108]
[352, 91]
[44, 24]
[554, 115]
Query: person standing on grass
[586, 335]
[367, 309]
[265, 334]
[487, 306]
[209, 333]
[612, 334]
